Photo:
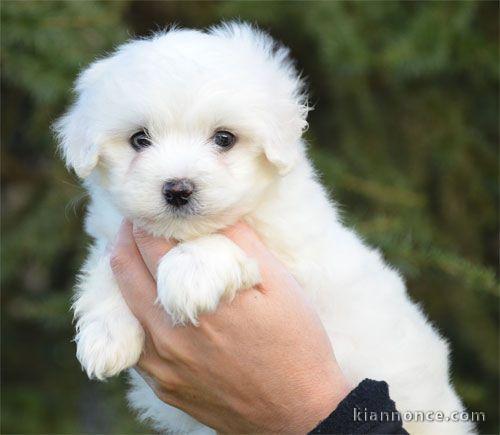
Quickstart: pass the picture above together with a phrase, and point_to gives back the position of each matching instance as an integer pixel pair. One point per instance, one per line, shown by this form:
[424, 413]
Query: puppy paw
[194, 276]
[107, 347]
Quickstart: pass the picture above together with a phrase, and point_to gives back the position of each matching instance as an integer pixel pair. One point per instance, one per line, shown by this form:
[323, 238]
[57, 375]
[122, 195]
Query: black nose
[177, 191]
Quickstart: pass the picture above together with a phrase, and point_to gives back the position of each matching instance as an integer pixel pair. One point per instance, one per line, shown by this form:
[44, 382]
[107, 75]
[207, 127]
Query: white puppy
[184, 134]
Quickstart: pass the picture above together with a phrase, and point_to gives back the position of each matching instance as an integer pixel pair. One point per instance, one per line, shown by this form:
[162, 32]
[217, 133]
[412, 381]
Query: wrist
[322, 400]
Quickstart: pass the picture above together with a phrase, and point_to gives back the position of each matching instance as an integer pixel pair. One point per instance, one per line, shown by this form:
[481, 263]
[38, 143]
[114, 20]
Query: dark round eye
[224, 139]
[140, 140]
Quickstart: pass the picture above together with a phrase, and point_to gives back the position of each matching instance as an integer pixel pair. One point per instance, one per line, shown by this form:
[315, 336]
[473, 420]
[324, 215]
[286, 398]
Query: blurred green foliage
[404, 133]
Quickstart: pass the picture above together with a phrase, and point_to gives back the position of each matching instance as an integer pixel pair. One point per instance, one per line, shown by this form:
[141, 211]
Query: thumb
[134, 280]
[152, 249]
[275, 275]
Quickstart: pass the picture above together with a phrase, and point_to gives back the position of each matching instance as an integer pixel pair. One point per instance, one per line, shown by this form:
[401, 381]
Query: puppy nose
[177, 191]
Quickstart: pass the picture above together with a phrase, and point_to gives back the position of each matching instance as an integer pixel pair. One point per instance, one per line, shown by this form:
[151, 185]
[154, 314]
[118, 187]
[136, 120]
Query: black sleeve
[367, 409]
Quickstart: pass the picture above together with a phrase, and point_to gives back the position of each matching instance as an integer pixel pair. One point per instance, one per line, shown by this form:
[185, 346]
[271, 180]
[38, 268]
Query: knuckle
[167, 384]
[166, 397]
[162, 347]
[164, 351]
[172, 353]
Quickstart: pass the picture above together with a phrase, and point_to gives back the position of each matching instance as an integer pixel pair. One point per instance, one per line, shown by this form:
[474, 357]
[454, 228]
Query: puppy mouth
[187, 209]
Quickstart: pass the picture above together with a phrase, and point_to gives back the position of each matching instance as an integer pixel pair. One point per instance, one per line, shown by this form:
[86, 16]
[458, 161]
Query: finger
[134, 280]
[157, 370]
[242, 234]
[150, 358]
[152, 249]
[272, 271]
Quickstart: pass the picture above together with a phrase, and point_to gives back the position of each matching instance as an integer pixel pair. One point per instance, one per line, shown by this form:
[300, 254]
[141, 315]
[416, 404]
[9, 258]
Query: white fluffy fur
[182, 85]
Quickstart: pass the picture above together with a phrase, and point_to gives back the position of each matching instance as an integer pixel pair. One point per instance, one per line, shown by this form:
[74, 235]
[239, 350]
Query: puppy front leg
[109, 338]
[194, 275]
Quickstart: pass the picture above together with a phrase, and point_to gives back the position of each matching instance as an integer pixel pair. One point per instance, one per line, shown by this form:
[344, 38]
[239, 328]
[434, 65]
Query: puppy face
[187, 130]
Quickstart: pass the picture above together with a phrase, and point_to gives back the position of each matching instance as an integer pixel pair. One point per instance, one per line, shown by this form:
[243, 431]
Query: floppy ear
[80, 151]
[288, 119]
[282, 142]
[77, 142]
[282, 153]
[284, 124]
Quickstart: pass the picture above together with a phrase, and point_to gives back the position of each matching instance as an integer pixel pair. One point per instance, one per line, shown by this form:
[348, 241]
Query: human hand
[260, 363]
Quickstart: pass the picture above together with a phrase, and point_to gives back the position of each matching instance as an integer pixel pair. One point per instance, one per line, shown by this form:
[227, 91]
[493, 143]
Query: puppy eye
[140, 140]
[224, 139]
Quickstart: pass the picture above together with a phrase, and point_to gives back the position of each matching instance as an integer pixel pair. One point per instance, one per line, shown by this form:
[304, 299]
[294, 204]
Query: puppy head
[186, 130]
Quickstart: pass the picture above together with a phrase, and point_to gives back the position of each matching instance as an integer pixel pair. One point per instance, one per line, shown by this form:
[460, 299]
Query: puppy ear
[282, 141]
[80, 152]
[282, 128]
[282, 154]
[77, 141]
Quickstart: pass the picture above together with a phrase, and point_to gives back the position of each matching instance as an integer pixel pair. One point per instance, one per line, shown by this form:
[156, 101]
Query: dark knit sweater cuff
[367, 409]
